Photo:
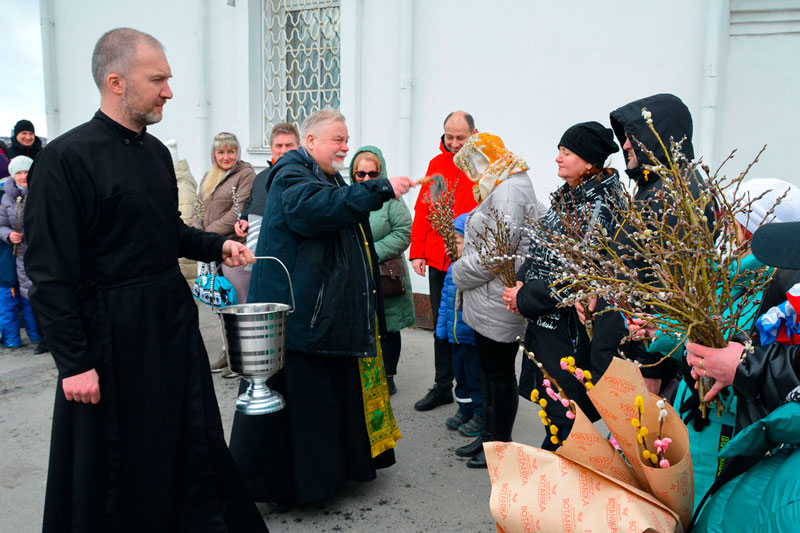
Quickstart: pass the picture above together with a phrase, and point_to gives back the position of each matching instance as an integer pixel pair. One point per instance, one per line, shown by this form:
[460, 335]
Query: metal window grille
[300, 60]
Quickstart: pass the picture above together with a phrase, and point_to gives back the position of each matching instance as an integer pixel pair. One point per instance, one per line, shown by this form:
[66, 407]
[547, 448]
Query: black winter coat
[29, 151]
[315, 228]
[554, 332]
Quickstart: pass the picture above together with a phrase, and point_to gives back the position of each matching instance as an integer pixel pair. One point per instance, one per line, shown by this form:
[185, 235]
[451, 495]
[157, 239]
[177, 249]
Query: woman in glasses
[391, 230]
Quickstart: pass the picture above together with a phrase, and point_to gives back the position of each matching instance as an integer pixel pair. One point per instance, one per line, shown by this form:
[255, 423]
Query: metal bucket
[255, 334]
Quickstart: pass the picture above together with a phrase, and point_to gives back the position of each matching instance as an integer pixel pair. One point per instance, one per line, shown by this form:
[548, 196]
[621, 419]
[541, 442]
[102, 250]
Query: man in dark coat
[283, 138]
[338, 423]
[137, 441]
[24, 140]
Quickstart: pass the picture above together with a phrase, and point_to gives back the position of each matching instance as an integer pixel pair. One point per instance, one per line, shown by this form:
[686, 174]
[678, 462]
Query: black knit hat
[23, 125]
[591, 141]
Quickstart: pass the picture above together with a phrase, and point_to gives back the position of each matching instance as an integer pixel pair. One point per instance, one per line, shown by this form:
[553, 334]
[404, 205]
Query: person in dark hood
[24, 140]
[672, 120]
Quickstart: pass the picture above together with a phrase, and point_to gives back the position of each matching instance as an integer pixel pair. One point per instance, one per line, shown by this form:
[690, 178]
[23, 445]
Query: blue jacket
[317, 226]
[449, 324]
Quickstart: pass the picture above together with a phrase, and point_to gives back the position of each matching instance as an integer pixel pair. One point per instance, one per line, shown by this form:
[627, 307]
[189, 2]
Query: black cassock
[104, 237]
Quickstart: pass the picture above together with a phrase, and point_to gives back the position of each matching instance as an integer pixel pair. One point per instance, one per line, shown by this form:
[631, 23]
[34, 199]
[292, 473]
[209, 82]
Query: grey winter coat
[12, 206]
[484, 310]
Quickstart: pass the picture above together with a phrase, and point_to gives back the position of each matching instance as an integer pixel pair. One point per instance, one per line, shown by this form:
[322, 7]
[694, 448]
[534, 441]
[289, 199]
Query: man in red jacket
[427, 247]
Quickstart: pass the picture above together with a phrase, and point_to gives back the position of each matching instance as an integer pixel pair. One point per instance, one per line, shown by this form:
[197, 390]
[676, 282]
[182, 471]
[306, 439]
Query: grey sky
[22, 88]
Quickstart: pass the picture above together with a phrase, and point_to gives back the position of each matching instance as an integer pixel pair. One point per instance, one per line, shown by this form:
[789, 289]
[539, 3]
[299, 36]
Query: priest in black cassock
[137, 441]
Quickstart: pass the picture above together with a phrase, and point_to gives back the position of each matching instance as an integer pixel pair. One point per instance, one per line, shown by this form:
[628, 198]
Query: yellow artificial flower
[646, 454]
[639, 402]
[554, 429]
[587, 374]
[589, 386]
[554, 439]
[635, 423]
[534, 395]
[543, 403]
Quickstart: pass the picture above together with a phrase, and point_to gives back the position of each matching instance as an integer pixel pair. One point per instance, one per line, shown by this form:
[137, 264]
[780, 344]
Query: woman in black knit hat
[24, 140]
[591, 192]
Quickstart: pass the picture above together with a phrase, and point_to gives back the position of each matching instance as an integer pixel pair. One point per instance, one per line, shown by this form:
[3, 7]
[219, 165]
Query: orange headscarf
[486, 161]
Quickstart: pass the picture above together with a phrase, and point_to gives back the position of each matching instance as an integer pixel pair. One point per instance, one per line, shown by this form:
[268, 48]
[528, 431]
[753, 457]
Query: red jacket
[425, 242]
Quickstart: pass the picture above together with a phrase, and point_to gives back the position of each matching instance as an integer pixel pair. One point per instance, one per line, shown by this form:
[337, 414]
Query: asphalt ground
[429, 489]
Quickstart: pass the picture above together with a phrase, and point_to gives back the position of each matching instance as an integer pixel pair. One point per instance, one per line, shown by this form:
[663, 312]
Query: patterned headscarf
[485, 160]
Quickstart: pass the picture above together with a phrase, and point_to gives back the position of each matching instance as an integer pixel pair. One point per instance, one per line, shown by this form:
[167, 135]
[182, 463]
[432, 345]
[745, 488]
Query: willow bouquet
[498, 245]
[441, 214]
[675, 261]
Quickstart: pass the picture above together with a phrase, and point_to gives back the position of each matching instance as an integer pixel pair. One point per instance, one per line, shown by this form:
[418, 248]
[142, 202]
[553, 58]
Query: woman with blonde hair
[223, 192]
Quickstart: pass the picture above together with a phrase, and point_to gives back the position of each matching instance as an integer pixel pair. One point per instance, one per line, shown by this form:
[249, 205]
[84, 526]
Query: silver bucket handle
[291, 289]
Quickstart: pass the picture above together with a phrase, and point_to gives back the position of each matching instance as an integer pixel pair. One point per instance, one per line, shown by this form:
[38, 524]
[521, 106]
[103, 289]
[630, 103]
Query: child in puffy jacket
[468, 420]
[12, 207]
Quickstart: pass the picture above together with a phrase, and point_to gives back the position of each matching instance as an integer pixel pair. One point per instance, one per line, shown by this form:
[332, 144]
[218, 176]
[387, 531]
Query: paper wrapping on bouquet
[613, 396]
[588, 447]
[673, 486]
[537, 490]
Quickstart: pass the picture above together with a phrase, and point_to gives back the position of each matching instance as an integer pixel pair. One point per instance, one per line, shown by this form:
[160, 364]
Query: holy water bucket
[256, 340]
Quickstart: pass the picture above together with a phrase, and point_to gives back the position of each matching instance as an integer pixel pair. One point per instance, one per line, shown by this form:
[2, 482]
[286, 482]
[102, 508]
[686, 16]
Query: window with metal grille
[299, 60]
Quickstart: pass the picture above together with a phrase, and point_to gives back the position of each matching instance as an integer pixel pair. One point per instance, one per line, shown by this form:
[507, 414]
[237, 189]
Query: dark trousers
[467, 372]
[442, 355]
[500, 394]
[497, 359]
[391, 345]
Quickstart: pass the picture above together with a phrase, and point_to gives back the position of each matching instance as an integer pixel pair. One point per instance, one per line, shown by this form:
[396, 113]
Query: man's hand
[15, 237]
[716, 363]
[236, 254]
[419, 265]
[401, 185]
[510, 297]
[240, 228]
[582, 312]
[84, 387]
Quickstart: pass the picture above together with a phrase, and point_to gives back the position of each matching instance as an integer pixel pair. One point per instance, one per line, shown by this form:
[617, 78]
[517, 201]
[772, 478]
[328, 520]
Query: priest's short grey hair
[115, 50]
[316, 120]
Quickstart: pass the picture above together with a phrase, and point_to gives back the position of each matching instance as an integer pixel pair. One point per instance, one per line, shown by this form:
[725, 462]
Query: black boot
[471, 449]
[504, 399]
[41, 347]
[478, 459]
[438, 395]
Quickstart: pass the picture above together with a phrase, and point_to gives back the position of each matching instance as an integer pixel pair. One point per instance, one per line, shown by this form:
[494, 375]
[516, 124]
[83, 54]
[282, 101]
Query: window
[300, 62]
